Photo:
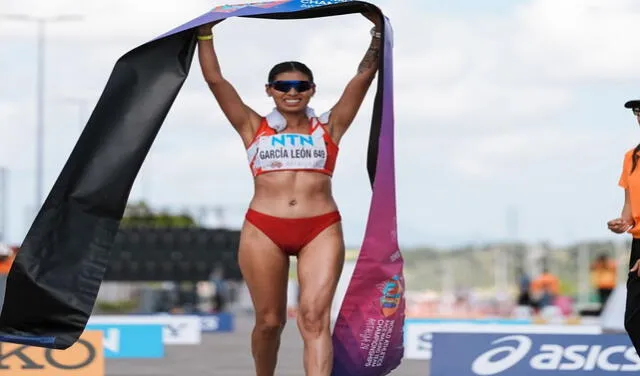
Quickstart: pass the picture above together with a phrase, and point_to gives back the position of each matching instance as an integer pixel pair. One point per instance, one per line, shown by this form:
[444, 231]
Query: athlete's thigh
[265, 269]
[319, 267]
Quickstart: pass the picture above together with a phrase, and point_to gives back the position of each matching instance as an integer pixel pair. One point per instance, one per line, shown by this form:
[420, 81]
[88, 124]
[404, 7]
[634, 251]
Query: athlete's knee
[270, 324]
[313, 320]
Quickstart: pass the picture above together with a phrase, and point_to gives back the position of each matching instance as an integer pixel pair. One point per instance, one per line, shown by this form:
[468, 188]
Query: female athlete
[292, 154]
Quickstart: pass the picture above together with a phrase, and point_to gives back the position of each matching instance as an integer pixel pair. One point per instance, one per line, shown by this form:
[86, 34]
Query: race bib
[291, 151]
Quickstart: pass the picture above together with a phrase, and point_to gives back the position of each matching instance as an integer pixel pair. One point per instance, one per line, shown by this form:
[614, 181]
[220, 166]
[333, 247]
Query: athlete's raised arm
[241, 116]
[345, 110]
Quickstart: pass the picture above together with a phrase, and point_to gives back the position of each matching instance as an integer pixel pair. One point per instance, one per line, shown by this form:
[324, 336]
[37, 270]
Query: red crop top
[271, 151]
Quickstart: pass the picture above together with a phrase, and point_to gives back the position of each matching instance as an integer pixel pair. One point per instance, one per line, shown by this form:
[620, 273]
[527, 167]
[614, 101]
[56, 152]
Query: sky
[509, 116]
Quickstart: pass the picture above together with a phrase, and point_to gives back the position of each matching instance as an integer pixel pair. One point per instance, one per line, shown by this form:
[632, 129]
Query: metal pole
[3, 203]
[40, 112]
[512, 223]
[40, 91]
[583, 274]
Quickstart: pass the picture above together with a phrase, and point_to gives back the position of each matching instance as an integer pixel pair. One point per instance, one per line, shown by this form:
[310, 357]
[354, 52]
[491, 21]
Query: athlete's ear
[266, 89]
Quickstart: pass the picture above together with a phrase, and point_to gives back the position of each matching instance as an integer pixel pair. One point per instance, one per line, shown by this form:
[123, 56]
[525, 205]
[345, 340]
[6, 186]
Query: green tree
[140, 214]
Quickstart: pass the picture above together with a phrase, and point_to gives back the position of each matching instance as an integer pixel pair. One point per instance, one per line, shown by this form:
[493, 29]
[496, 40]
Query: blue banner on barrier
[220, 322]
[479, 354]
[131, 341]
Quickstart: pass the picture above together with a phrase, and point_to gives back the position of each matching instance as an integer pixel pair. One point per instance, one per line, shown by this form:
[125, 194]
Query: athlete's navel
[293, 202]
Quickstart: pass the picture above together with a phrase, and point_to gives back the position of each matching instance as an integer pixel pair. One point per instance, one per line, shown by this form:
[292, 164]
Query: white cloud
[496, 156]
[581, 40]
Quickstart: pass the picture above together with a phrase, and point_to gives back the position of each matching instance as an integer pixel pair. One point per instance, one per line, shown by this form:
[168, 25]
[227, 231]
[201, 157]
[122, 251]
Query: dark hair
[634, 158]
[289, 66]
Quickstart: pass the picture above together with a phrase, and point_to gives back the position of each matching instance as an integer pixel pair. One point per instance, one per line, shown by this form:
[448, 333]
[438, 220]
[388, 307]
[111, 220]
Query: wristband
[374, 33]
[205, 37]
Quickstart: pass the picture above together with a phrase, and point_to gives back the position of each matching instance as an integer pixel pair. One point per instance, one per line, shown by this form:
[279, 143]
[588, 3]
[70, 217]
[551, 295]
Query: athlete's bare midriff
[293, 194]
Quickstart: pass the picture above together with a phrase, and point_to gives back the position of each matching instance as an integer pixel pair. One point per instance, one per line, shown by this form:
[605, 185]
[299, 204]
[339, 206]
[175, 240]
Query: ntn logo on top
[291, 139]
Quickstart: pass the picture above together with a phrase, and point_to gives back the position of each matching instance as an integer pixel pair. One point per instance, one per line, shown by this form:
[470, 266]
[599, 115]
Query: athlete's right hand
[619, 225]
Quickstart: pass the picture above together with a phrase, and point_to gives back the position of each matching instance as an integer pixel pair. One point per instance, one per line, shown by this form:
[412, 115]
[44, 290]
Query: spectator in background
[545, 289]
[6, 259]
[220, 290]
[605, 276]
[524, 287]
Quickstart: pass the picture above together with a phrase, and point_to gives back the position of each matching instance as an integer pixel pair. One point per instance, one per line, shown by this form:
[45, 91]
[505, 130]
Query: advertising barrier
[481, 354]
[418, 338]
[219, 322]
[85, 357]
[176, 329]
[131, 341]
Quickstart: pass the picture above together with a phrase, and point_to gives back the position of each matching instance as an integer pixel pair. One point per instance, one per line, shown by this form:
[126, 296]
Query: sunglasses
[285, 86]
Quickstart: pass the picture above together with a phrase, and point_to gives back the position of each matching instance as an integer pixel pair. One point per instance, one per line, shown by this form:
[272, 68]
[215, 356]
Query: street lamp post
[3, 203]
[41, 23]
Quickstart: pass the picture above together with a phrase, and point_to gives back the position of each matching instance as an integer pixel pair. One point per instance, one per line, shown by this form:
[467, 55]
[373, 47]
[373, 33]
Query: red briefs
[291, 234]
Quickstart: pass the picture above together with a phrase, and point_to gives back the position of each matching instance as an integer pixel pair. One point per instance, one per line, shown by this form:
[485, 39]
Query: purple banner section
[252, 9]
[368, 334]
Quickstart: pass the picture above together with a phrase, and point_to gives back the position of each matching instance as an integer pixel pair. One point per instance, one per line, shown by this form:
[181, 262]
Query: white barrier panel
[418, 336]
[612, 317]
[177, 329]
[341, 289]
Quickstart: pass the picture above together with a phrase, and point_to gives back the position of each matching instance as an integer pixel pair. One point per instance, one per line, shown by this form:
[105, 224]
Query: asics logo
[485, 364]
[552, 356]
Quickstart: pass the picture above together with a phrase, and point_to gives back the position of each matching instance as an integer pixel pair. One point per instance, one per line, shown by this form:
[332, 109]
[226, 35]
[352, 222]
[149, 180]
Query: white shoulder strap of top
[324, 118]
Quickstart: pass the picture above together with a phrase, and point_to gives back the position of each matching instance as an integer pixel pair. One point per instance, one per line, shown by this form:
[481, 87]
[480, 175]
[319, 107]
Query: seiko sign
[84, 358]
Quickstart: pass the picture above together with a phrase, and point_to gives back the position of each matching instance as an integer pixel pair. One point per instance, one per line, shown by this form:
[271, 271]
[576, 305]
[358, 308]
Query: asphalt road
[227, 354]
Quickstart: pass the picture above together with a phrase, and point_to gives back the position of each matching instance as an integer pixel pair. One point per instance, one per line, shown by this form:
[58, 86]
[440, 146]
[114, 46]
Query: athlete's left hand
[374, 17]
[636, 268]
